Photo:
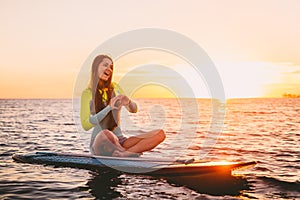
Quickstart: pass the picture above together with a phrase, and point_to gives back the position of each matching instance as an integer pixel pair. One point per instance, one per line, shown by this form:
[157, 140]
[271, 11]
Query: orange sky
[254, 44]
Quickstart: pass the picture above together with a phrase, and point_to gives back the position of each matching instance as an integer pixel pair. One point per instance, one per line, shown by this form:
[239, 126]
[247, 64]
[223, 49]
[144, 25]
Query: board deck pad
[144, 165]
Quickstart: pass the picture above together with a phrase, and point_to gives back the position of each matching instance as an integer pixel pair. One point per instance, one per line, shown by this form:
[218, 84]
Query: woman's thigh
[133, 140]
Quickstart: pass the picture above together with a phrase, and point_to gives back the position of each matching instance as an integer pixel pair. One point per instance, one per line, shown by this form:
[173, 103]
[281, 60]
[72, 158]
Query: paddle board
[144, 165]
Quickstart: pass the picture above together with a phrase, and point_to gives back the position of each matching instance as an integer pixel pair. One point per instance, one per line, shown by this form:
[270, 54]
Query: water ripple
[265, 130]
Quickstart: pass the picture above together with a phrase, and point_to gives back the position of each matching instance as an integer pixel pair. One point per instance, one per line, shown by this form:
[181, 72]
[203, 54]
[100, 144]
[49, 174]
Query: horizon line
[70, 98]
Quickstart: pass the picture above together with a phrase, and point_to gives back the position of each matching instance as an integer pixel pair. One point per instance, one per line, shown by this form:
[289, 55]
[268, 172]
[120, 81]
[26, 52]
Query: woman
[100, 109]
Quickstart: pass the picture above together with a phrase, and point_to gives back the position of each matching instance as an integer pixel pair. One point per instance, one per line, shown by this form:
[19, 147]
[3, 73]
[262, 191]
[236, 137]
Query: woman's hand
[119, 101]
[115, 102]
[125, 101]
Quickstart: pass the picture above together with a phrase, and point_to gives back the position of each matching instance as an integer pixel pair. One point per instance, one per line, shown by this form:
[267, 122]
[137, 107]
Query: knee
[105, 143]
[105, 131]
[102, 135]
[108, 135]
[161, 135]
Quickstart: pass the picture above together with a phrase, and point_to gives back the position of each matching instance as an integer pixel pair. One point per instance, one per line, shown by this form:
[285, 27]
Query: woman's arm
[95, 119]
[131, 106]
[128, 103]
[85, 110]
[88, 121]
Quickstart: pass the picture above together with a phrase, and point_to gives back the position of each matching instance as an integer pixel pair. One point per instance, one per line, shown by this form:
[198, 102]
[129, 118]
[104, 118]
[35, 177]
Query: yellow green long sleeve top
[88, 121]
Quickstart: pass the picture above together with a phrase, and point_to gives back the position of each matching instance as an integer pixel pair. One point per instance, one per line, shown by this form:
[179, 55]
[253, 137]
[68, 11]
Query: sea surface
[263, 130]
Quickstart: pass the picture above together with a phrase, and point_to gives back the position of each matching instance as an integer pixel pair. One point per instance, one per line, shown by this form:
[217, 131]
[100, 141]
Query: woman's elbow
[134, 110]
[86, 126]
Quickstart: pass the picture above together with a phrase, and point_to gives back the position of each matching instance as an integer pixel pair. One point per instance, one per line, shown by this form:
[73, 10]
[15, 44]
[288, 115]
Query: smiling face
[105, 69]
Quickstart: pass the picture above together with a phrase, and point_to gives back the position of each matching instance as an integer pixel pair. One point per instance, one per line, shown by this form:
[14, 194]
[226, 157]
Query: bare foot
[118, 153]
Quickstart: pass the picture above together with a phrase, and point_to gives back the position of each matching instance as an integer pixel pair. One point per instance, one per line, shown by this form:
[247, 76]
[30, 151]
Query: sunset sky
[254, 44]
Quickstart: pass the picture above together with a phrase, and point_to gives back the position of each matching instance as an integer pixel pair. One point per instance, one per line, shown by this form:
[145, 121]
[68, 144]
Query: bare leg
[143, 142]
[106, 143]
[125, 153]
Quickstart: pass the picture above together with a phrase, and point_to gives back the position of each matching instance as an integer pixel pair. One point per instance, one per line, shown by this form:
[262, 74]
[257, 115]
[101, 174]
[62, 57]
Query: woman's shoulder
[114, 85]
[117, 88]
[87, 92]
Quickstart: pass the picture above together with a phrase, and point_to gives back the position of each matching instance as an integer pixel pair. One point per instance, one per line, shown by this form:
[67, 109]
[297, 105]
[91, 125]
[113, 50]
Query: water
[265, 130]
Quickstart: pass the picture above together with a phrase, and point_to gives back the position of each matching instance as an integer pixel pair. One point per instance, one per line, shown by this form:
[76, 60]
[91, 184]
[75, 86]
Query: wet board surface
[144, 165]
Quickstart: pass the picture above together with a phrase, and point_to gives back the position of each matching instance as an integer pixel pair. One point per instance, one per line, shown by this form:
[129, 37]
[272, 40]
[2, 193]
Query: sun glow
[42, 60]
[153, 91]
[246, 79]
[240, 79]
